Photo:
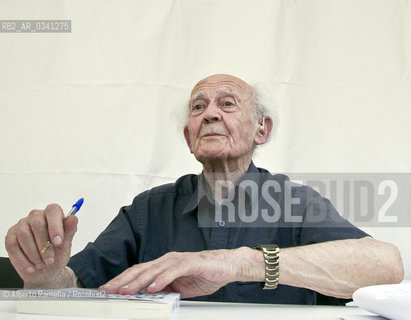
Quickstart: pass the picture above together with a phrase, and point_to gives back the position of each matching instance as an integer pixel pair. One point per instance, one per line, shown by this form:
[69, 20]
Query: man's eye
[197, 107]
[228, 104]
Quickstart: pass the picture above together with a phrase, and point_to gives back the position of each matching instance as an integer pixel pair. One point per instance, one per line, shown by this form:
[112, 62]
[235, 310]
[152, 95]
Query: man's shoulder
[297, 189]
[267, 175]
[184, 185]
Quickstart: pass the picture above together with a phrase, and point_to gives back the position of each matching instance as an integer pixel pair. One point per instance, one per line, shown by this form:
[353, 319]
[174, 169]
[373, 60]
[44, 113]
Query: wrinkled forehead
[222, 84]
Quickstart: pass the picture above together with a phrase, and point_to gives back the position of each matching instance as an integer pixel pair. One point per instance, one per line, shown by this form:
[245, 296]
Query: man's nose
[212, 113]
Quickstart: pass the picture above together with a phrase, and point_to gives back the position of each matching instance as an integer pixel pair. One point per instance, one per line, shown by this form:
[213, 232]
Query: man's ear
[264, 131]
[187, 136]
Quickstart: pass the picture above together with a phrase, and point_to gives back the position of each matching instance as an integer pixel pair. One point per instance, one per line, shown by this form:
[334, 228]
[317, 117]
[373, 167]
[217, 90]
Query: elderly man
[173, 237]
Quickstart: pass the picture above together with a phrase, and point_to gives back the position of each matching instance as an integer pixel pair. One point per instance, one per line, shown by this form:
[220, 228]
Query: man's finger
[23, 266]
[125, 278]
[170, 263]
[141, 282]
[27, 243]
[145, 278]
[18, 259]
[38, 226]
[54, 217]
[135, 278]
[70, 228]
[163, 279]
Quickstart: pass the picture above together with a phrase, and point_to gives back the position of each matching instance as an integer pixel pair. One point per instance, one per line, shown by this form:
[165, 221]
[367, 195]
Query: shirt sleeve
[114, 250]
[323, 223]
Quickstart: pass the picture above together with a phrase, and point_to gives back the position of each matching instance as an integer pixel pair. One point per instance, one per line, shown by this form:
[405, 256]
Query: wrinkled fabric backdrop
[98, 113]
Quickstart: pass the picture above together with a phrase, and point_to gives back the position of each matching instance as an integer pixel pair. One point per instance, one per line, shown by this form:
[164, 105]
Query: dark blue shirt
[182, 217]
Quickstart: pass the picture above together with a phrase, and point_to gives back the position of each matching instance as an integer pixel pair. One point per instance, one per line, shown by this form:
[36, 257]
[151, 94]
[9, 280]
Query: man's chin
[210, 156]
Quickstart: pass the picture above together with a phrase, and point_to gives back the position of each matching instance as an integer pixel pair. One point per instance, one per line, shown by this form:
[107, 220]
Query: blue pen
[76, 207]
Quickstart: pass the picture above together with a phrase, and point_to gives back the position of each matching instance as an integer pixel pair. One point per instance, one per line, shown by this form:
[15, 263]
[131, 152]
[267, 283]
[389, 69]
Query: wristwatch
[271, 257]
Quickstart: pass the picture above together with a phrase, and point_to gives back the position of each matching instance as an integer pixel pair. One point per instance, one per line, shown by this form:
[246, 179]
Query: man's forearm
[334, 268]
[65, 279]
[338, 268]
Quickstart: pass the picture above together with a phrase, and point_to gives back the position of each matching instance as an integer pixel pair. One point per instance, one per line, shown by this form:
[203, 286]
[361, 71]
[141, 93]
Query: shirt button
[221, 223]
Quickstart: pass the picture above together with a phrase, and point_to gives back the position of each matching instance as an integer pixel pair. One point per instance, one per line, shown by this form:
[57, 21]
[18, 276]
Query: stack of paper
[93, 303]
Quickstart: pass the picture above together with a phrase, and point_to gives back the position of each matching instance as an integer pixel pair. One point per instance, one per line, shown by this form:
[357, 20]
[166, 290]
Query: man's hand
[26, 239]
[190, 273]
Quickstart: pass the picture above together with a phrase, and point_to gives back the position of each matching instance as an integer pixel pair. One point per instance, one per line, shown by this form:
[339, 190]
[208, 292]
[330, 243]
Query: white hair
[264, 105]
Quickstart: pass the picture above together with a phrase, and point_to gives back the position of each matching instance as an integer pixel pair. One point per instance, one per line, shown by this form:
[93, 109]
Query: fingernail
[104, 287]
[30, 270]
[57, 240]
[152, 285]
[125, 287]
[49, 261]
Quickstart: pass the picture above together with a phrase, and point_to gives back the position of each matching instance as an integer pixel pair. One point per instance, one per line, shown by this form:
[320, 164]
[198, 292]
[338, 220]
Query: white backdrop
[96, 113]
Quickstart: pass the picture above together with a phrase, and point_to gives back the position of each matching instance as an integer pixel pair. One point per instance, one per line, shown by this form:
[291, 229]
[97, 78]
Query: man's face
[220, 122]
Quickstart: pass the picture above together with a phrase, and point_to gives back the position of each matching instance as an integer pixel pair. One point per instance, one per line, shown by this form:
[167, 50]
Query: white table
[238, 311]
[225, 311]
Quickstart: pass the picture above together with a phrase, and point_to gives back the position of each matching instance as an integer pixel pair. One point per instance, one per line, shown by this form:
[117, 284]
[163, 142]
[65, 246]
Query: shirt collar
[202, 191]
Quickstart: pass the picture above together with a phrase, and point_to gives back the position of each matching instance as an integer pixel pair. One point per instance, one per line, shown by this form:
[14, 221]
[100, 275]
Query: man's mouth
[212, 134]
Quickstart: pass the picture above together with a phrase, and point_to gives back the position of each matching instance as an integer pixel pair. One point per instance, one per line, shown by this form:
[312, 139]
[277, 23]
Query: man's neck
[223, 175]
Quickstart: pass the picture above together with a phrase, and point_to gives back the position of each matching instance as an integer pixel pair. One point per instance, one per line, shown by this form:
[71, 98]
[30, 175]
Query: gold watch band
[271, 259]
